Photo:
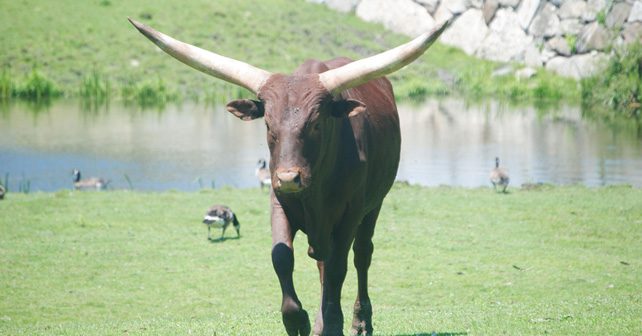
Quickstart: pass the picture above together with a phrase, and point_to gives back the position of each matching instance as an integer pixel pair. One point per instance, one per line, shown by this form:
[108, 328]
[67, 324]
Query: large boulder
[401, 16]
[546, 23]
[526, 12]
[547, 54]
[618, 14]
[477, 4]
[533, 56]
[572, 9]
[570, 27]
[559, 45]
[506, 40]
[593, 37]
[636, 12]
[442, 13]
[467, 32]
[344, 6]
[509, 3]
[489, 9]
[632, 32]
[456, 6]
[578, 66]
[430, 5]
[591, 64]
[525, 73]
[592, 8]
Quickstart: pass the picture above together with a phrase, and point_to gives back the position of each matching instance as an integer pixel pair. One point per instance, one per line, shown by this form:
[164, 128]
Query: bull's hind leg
[295, 319]
[363, 248]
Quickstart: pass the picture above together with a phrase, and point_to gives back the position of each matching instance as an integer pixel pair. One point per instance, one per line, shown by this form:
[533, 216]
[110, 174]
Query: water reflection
[193, 146]
[448, 142]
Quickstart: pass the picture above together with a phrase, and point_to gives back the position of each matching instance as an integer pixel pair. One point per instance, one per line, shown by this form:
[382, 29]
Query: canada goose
[499, 177]
[263, 174]
[221, 216]
[2, 191]
[90, 183]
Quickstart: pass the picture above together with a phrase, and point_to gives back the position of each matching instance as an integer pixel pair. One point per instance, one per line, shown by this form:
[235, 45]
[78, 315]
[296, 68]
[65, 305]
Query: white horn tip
[134, 22]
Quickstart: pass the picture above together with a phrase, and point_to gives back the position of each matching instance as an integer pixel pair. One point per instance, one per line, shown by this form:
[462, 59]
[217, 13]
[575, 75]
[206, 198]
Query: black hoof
[297, 323]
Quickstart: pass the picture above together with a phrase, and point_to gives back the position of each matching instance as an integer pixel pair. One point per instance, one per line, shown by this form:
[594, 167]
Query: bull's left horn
[227, 69]
[361, 71]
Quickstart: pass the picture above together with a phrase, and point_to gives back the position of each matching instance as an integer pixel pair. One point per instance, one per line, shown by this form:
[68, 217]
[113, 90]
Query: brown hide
[345, 150]
[355, 167]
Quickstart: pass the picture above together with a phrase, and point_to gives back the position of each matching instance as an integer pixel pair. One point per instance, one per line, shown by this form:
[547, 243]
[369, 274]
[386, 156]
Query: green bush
[95, 87]
[571, 40]
[619, 87]
[37, 87]
[7, 86]
[149, 94]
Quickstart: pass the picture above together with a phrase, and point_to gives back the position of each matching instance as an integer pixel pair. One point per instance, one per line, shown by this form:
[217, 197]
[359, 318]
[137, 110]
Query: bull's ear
[349, 107]
[354, 110]
[246, 109]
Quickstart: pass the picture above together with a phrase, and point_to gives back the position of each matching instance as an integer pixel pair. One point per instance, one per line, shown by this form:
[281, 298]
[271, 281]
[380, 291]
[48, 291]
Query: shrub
[571, 40]
[7, 86]
[95, 87]
[619, 87]
[37, 87]
[148, 94]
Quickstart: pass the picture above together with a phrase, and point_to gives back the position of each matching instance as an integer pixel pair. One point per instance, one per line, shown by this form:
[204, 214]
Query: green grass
[69, 41]
[556, 260]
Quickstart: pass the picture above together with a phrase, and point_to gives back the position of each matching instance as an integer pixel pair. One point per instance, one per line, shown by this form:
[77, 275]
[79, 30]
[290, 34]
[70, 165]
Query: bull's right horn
[227, 69]
[364, 70]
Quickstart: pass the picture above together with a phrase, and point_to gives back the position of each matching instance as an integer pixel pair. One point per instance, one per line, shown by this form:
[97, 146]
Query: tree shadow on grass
[446, 333]
[222, 239]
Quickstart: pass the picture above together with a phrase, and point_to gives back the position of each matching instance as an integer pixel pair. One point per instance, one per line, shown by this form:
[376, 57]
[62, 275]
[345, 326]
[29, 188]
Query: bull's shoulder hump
[311, 66]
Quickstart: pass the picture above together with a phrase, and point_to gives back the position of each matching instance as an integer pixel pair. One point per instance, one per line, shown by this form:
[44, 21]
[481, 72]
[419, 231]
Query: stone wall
[569, 37]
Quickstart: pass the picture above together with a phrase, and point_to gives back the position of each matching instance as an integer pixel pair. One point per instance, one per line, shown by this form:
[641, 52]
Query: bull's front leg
[334, 273]
[295, 318]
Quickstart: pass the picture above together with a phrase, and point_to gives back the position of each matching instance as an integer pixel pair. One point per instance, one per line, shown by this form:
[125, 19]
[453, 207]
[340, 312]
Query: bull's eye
[314, 129]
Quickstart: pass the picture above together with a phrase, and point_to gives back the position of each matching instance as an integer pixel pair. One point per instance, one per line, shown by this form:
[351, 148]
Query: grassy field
[88, 49]
[453, 261]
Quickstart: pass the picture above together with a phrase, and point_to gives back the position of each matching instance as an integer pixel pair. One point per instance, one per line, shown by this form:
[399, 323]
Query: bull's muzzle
[289, 180]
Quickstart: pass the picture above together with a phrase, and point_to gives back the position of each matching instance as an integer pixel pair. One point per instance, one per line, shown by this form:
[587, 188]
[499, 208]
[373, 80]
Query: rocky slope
[569, 37]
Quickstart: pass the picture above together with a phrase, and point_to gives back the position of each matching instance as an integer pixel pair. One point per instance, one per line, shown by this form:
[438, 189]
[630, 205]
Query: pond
[194, 146]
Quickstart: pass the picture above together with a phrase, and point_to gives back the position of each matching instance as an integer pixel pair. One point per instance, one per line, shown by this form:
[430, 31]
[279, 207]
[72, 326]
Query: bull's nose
[288, 180]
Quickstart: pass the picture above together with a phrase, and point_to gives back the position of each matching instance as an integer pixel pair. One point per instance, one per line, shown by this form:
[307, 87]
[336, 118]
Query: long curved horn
[359, 72]
[222, 67]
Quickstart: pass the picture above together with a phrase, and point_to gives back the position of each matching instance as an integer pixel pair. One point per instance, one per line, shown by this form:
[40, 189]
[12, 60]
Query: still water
[188, 147]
